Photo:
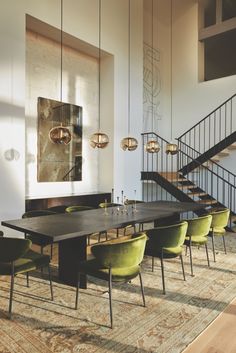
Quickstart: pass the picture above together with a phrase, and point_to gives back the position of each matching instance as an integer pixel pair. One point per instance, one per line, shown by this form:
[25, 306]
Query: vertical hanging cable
[171, 71]
[152, 71]
[99, 65]
[129, 143]
[61, 48]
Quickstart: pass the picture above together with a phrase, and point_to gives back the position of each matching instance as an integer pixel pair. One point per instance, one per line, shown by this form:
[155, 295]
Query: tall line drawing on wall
[151, 110]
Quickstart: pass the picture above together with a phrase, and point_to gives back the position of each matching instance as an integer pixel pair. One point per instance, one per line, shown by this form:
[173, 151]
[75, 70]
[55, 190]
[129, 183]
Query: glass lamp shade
[60, 135]
[129, 143]
[99, 140]
[152, 146]
[171, 148]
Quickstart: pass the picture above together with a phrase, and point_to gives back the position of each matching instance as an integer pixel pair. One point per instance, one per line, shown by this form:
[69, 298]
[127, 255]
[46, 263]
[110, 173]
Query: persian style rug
[168, 324]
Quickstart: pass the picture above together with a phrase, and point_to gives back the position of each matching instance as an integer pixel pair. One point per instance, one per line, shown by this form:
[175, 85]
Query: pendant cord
[61, 47]
[99, 67]
[171, 70]
[152, 72]
[129, 72]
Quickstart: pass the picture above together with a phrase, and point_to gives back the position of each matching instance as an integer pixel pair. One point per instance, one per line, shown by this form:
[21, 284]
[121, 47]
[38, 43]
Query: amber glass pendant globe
[60, 135]
[129, 143]
[99, 140]
[152, 146]
[171, 148]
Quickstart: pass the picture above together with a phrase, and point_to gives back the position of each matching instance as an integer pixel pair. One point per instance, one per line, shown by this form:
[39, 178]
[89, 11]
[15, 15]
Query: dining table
[70, 230]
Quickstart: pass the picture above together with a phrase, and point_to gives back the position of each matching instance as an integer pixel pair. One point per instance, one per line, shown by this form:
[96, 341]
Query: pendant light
[171, 148]
[60, 134]
[152, 146]
[99, 139]
[129, 143]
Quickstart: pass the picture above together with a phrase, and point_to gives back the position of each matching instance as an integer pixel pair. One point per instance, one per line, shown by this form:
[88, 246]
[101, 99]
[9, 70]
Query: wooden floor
[220, 336]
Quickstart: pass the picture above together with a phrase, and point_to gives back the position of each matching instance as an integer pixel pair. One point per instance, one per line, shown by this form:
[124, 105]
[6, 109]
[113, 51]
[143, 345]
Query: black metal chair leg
[207, 255]
[153, 264]
[27, 279]
[213, 246]
[182, 264]
[11, 290]
[223, 237]
[50, 281]
[142, 290]
[117, 233]
[77, 293]
[110, 296]
[191, 259]
[51, 251]
[162, 275]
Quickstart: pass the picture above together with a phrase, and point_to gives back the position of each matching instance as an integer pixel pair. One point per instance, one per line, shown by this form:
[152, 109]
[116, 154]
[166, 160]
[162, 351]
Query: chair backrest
[108, 204]
[199, 226]
[58, 208]
[220, 218]
[37, 213]
[77, 208]
[121, 253]
[167, 236]
[12, 249]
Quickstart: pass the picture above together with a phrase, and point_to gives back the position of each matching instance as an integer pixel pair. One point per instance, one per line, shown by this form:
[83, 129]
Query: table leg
[71, 252]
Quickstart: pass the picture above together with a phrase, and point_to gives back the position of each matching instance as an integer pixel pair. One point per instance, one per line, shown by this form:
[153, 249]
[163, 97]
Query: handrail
[199, 164]
[213, 162]
[213, 111]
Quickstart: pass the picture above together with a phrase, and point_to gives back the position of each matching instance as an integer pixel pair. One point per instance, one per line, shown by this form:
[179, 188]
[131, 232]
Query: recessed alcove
[78, 85]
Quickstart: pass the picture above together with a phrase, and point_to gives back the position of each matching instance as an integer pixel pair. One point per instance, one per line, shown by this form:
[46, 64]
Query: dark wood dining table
[70, 230]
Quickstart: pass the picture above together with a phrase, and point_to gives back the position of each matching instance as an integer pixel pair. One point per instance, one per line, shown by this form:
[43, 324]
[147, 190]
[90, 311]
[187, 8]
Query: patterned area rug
[168, 324]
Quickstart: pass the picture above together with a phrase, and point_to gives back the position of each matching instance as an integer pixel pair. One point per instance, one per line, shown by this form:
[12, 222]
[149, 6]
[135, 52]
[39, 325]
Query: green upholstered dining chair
[219, 221]
[166, 242]
[37, 239]
[129, 226]
[197, 232]
[16, 257]
[117, 260]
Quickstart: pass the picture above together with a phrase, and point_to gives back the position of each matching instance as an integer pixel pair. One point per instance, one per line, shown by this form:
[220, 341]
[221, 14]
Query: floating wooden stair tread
[196, 193]
[172, 176]
[207, 202]
[232, 147]
[214, 159]
[182, 187]
[223, 153]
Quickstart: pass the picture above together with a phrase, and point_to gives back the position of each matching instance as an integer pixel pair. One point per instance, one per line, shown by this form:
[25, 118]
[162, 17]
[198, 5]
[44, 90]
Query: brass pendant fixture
[129, 143]
[152, 146]
[99, 139]
[60, 134]
[171, 148]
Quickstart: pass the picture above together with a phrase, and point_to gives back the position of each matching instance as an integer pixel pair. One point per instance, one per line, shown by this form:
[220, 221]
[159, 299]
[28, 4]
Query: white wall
[121, 170]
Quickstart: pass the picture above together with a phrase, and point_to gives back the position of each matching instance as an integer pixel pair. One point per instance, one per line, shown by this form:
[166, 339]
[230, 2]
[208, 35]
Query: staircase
[163, 178]
[212, 137]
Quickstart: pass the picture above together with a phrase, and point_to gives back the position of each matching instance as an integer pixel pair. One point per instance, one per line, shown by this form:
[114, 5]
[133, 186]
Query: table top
[70, 225]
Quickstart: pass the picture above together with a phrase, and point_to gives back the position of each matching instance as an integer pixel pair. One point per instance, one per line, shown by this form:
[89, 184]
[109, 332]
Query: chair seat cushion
[30, 261]
[196, 240]
[217, 231]
[169, 252]
[93, 268]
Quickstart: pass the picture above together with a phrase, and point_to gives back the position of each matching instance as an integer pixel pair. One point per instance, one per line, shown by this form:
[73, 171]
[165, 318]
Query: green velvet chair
[16, 257]
[197, 232]
[220, 220]
[166, 242]
[116, 260]
[41, 241]
[129, 226]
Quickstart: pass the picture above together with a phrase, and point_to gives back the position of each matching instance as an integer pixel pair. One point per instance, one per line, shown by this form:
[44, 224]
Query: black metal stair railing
[211, 165]
[201, 185]
[212, 129]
